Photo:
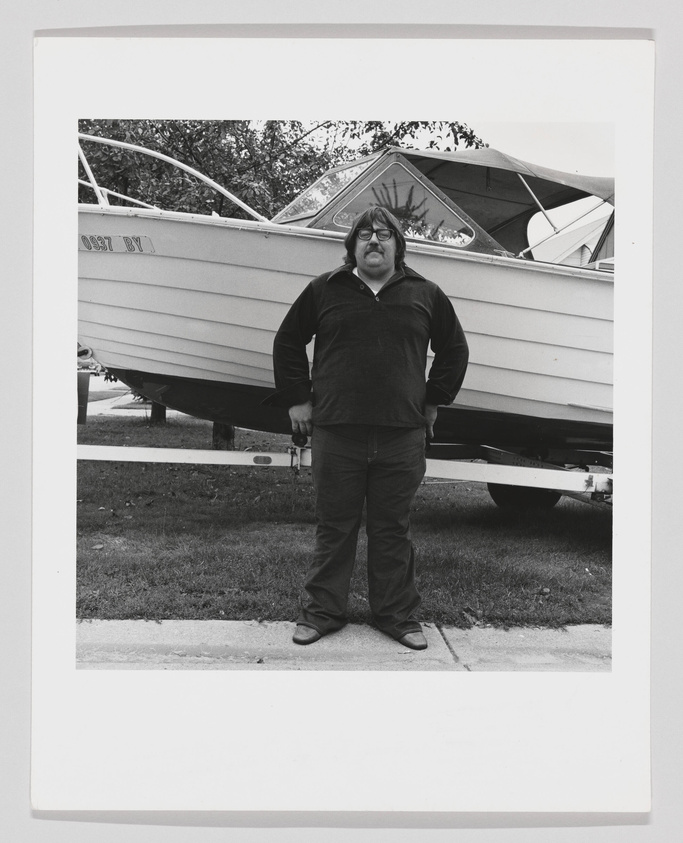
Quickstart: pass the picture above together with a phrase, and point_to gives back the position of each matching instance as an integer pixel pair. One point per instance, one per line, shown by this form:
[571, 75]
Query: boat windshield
[321, 192]
[422, 214]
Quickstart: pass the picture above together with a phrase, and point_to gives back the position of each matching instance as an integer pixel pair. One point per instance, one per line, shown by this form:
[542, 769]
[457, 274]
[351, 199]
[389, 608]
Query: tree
[265, 164]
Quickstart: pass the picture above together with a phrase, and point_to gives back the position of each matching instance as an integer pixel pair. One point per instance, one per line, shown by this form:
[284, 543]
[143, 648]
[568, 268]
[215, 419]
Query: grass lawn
[162, 541]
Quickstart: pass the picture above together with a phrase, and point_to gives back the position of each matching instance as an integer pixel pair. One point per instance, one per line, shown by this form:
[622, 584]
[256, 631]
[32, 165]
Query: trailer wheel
[522, 497]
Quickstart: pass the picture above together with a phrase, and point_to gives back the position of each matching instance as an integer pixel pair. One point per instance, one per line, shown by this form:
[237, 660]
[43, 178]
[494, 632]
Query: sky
[586, 148]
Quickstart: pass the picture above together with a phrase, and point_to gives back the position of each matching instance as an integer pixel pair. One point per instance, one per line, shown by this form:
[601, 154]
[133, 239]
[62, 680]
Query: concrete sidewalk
[250, 645]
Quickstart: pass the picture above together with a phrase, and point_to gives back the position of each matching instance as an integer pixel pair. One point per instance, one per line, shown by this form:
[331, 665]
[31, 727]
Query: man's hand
[430, 415]
[301, 416]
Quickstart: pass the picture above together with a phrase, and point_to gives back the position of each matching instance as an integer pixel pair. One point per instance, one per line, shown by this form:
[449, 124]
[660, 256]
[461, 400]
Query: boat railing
[103, 193]
[123, 196]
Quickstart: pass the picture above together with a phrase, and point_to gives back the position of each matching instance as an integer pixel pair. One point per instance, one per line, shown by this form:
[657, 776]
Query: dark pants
[383, 466]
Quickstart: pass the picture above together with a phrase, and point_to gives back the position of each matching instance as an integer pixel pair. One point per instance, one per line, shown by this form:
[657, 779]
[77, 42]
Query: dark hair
[366, 220]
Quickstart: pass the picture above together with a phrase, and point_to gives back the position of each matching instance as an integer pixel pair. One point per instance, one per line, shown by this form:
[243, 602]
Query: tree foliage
[265, 164]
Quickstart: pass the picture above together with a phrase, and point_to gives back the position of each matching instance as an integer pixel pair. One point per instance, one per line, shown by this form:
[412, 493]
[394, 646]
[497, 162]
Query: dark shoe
[414, 640]
[306, 635]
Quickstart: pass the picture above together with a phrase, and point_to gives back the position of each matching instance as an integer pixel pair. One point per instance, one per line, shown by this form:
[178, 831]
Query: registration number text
[114, 243]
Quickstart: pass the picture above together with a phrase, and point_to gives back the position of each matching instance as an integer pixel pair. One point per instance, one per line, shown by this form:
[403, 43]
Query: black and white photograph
[345, 467]
[196, 310]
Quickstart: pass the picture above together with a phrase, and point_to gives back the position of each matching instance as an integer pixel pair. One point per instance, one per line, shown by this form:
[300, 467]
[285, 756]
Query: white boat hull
[200, 299]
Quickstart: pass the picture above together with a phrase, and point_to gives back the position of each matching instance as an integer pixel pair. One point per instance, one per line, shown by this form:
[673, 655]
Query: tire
[522, 497]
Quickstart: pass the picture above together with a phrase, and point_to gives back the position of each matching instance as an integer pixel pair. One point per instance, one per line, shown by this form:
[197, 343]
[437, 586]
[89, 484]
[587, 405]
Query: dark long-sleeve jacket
[370, 353]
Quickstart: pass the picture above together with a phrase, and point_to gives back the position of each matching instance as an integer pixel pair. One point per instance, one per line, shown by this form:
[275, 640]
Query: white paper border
[237, 741]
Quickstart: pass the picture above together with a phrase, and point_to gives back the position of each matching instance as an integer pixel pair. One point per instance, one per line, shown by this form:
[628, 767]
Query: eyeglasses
[382, 233]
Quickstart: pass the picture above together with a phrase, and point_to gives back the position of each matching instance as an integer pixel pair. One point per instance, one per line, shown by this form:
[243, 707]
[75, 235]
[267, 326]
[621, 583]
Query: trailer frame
[591, 482]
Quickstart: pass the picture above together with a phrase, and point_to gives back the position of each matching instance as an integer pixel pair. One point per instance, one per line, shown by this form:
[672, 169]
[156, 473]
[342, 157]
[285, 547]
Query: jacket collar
[402, 272]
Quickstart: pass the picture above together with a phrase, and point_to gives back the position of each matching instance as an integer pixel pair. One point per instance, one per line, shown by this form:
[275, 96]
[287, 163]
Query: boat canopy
[503, 193]
[474, 199]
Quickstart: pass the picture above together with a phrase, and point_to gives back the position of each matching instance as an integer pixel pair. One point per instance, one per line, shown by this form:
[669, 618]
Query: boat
[183, 307]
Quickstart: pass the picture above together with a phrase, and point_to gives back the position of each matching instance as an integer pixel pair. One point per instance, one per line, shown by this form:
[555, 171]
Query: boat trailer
[514, 480]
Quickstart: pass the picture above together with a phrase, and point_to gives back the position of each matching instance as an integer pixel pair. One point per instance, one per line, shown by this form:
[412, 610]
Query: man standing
[368, 407]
